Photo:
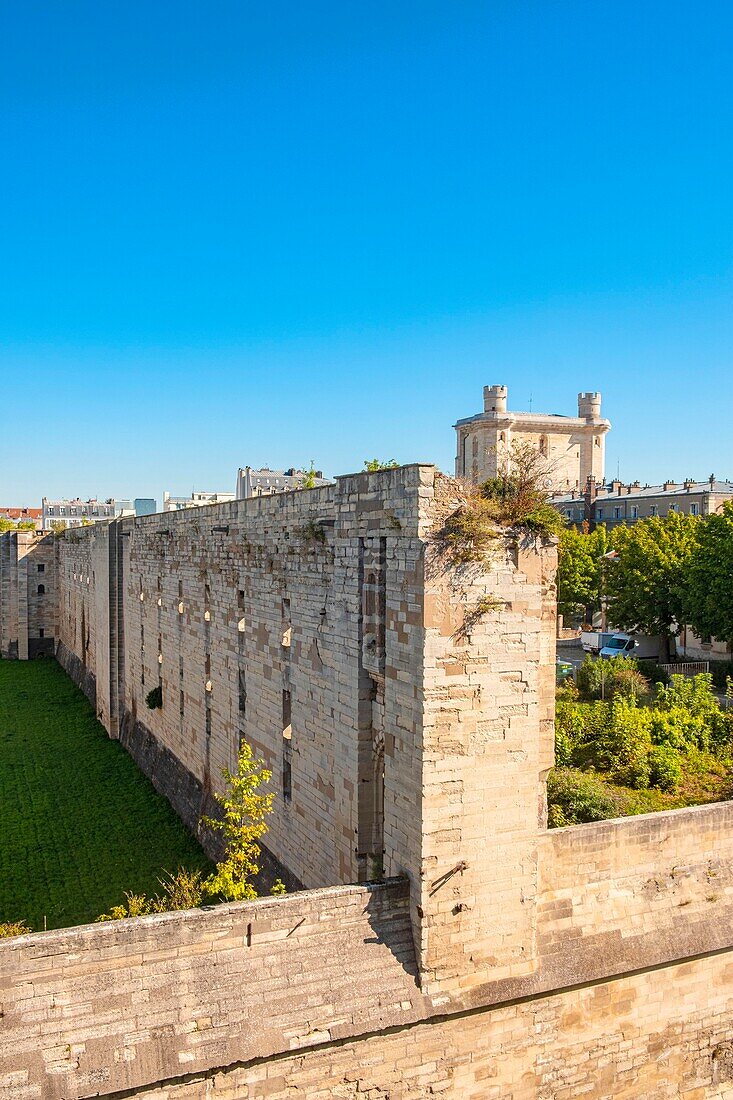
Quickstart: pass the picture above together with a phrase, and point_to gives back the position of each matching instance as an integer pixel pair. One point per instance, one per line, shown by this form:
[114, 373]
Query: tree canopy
[709, 590]
[646, 584]
[580, 570]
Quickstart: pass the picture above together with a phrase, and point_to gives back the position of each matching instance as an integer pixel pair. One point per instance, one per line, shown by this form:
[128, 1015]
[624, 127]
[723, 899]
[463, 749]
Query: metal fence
[686, 668]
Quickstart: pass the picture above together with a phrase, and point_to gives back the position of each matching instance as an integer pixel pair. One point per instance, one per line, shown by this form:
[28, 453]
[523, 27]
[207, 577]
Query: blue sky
[263, 233]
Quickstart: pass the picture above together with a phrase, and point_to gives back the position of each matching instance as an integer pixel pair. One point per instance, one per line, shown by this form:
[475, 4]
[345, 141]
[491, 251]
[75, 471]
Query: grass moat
[79, 823]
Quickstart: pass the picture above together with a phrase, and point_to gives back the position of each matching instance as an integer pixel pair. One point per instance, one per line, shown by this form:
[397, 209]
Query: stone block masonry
[110, 1006]
[329, 630]
[402, 695]
[28, 597]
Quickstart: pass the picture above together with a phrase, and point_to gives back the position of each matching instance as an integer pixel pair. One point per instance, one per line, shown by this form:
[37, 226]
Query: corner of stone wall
[487, 745]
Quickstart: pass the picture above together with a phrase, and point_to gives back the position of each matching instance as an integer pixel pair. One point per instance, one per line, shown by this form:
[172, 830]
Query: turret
[495, 399]
[589, 406]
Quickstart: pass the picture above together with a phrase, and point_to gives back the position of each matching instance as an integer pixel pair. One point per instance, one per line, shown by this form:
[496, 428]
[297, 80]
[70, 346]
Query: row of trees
[654, 576]
[10, 525]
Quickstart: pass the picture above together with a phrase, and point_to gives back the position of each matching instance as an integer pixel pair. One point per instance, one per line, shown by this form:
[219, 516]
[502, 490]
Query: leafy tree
[26, 525]
[374, 464]
[647, 582]
[245, 812]
[6, 525]
[580, 571]
[709, 593]
[58, 526]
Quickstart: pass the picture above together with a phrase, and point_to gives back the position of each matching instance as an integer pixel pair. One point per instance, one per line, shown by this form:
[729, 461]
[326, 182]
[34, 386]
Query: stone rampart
[117, 1005]
[401, 689]
[28, 597]
[657, 1035]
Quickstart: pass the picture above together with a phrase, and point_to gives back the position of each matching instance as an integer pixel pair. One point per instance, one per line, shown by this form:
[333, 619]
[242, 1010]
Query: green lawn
[79, 824]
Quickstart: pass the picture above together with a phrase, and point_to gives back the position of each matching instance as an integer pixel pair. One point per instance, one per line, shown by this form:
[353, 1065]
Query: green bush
[570, 726]
[577, 728]
[574, 797]
[184, 890]
[677, 728]
[630, 683]
[653, 672]
[608, 677]
[694, 693]
[588, 679]
[622, 750]
[13, 928]
[665, 768]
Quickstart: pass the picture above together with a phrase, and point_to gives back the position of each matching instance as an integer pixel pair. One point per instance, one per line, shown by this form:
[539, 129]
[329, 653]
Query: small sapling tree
[246, 808]
[309, 477]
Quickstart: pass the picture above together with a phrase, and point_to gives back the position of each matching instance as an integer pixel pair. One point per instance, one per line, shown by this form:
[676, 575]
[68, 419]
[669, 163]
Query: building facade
[616, 503]
[196, 500]
[573, 446]
[145, 506]
[76, 513]
[266, 482]
[22, 515]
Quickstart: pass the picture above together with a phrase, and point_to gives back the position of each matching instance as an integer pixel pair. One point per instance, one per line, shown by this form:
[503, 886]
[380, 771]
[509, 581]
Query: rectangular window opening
[287, 630]
[287, 747]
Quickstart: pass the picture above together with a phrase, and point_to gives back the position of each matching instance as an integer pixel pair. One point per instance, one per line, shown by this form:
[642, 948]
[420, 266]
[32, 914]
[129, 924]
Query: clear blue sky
[263, 233]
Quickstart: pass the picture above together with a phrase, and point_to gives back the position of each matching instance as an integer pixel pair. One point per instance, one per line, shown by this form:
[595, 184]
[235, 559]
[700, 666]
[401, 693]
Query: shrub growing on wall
[14, 928]
[154, 698]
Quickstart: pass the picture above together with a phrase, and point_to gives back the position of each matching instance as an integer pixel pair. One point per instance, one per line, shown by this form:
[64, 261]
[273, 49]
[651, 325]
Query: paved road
[572, 652]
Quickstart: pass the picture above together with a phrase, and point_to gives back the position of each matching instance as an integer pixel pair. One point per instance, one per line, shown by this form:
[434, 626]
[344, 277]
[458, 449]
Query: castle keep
[573, 446]
[445, 942]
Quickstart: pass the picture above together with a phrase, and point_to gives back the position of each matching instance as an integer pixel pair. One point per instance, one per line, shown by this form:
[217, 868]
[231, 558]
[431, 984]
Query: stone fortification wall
[402, 693]
[399, 690]
[106, 1007]
[28, 598]
[658, 1035]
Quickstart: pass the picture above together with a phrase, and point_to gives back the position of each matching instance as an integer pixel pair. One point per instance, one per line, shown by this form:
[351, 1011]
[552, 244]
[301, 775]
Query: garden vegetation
[624, 746]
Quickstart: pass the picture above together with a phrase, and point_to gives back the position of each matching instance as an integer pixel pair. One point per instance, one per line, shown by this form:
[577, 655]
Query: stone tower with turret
[573, 445]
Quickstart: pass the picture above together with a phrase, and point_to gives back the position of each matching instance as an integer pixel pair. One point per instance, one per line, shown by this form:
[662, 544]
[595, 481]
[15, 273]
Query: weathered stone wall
[316, 995]
[658, 1035]
[399, 693]
[402, 693]
[28, 598]
[106, 1007]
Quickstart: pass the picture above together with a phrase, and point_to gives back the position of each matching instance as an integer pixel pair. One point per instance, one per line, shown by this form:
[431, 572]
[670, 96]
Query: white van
[632, 645]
